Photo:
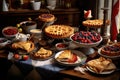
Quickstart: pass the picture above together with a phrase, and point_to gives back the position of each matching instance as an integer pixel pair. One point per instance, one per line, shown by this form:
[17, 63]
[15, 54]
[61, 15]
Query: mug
[22, 37]
[36, 5]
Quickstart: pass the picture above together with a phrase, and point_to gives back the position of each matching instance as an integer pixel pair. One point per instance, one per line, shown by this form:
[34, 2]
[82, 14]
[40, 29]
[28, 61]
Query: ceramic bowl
[28, 25]
[61, 46]
[4, 42]
[10, 32]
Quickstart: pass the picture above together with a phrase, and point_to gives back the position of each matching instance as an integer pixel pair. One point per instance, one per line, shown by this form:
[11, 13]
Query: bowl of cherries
[86, 38]
[10, 32]
[61, 46]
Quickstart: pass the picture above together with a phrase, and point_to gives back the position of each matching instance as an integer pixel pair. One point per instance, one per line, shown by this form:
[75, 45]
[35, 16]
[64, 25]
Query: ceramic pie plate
[112, 57]
[81, 58]
[105, 72]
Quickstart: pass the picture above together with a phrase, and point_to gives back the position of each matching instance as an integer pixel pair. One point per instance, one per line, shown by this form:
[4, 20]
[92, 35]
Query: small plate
[112, 57]
[105, 72]
[81, 59]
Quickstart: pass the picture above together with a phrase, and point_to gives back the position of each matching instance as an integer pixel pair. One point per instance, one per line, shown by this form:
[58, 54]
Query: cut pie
[59, 31]
[47, 17]
[67, 56]
[24, 45]
[101, 65]
[42, 53]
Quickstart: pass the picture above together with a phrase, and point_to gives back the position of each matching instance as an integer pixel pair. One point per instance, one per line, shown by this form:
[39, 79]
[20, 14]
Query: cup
[51, 3]
[36, 5]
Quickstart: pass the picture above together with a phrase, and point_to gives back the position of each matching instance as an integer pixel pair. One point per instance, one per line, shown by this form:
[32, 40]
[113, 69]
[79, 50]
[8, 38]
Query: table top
[87, 75]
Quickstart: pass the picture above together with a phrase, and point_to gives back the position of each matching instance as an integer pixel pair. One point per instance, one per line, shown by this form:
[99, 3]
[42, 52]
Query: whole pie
[59, 31]
[47, 17]
[93, 23]
[111, 50]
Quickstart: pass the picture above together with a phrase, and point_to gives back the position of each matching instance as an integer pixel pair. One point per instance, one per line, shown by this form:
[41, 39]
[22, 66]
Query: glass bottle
[118, 36]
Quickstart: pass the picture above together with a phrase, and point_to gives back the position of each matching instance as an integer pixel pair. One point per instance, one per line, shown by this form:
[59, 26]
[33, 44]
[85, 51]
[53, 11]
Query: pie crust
[59, 31]
[111, 50]
[42, 53]
[47, 17]
[24, 45]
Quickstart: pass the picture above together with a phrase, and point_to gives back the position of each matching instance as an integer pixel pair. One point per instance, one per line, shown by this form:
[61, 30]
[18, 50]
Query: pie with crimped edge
[111, 50]
[94, 23]
[59, 31]
[47, 17]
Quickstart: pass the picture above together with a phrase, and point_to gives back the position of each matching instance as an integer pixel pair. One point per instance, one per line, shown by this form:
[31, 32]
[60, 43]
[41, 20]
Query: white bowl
[10, 32]
[4, 42]
[28, 25]
[61, 46]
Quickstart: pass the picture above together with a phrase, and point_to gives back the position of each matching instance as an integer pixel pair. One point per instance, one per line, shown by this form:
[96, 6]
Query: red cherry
[17, 56]
[25, 57]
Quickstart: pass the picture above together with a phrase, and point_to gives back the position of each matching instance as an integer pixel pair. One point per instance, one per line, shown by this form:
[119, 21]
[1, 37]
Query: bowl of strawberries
[86, 38]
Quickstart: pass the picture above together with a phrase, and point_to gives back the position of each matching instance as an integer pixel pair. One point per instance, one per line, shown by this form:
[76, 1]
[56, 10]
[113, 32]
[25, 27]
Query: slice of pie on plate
[101, 65]
[24, 45]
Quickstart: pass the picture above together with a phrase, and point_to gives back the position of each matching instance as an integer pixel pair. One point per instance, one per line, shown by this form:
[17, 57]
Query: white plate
[81, 58]
[99, 52]
[105, 72]
[86, 44]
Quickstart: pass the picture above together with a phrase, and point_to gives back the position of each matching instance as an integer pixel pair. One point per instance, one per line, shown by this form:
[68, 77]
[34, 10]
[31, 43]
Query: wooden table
[88, 75]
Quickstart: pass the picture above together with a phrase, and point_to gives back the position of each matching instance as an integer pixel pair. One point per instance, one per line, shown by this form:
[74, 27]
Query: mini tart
[59, 31]
[47, 17]
[111, 50]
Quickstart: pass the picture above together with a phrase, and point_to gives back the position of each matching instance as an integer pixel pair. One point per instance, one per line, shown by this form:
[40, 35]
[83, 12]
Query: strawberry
[25, 57]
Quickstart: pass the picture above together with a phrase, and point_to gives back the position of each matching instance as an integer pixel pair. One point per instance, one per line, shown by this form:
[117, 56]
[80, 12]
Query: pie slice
[25, 45]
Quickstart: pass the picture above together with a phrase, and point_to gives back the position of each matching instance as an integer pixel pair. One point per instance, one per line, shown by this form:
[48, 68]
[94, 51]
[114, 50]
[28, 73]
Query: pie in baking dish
[59, 31]
[42, 53]
[101, 65]
[47, 17]
[111, 50]
[24, 45]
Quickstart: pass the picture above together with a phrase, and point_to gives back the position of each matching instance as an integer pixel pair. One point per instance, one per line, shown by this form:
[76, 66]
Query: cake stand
[86, 48]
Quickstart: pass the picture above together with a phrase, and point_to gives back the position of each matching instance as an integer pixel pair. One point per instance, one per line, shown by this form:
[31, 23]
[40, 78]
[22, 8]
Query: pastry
[67, 56]
[101, 64]
[24, 45]
[47, 17]
[111, 50]
[59, 31]
[42, 53]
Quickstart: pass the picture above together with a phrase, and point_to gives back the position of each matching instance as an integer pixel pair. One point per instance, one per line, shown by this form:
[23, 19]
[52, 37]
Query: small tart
[47, 17]
[59, 31]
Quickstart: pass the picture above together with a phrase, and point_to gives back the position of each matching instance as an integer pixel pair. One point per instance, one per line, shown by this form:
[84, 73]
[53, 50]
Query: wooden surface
[88, 75]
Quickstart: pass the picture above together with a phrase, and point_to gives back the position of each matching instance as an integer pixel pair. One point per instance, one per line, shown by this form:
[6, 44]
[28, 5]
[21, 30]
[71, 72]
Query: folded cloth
[80, 69]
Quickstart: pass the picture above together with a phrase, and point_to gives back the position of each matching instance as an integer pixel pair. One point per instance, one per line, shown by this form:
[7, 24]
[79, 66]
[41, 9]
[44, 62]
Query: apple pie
[67, 56]
[47, 17]
[101, 65]
[59, 31]
[24, 45]
[95, 23]
[42, 53]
